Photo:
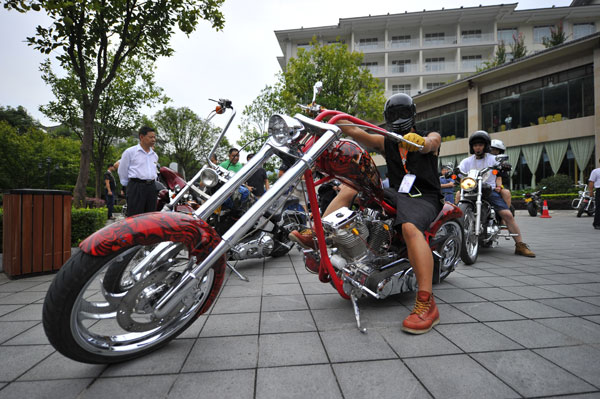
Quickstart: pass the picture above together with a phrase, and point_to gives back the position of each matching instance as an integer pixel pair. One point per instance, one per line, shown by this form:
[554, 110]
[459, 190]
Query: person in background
[386, 182]
[258, 182]
[496, 148]
[447, 184]
[138, 171]
[508, 122]
[594, 182]
[233, 163]
[111, 186]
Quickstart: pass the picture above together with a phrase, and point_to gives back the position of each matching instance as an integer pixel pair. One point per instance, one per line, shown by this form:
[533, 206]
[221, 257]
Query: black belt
[135, 179]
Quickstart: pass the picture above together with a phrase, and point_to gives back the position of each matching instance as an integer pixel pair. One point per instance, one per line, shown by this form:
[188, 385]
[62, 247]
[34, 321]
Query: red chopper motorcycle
[173, 264]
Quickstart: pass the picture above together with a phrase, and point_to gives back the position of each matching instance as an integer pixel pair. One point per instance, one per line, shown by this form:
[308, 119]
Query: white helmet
[499, 145]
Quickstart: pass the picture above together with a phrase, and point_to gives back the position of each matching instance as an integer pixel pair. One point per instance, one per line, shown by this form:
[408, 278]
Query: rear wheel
[581, 209]
[532, 208]
[449, 248]
[470, 242]
[89, 323]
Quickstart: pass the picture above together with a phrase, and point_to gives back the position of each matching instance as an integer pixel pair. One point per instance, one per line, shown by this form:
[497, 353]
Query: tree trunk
[86, 157]
[99, 181]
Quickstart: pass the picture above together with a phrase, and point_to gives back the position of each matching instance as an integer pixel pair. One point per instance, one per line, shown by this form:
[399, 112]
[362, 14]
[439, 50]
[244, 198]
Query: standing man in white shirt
[594, 182]
[137, 171]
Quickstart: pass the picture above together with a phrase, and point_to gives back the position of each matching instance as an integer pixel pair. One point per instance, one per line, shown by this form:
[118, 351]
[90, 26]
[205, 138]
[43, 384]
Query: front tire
[449, 248]
[470, 243]
[581, 209]
[532, 209]
[87, 323]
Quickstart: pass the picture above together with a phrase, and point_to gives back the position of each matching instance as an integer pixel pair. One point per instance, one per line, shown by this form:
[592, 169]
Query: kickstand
[357, 314]
[240, 275]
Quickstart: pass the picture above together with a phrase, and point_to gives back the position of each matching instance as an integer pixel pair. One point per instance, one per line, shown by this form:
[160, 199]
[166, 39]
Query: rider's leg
[520, 247]
[342, 199]
[506, 196]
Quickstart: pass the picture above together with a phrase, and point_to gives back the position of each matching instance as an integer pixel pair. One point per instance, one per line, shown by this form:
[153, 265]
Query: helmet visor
[398, 112]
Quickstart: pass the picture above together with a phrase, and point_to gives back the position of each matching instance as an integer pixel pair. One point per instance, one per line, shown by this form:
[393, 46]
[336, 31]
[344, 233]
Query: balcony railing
[369, 47]
[444, 67]
[403, 69]
[403, 44]
[439, 41]
[477, 38]
[376, 70]
[471, 65]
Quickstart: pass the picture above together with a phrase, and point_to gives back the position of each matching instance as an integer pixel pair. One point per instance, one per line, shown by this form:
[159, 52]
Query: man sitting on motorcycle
[479, 146]
[496, 148]
[414, 181]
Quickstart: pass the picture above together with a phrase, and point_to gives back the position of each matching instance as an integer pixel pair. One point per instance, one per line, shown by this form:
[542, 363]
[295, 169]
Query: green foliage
[347, 86]
[18, 118]
[499, 58]
[557, 184]
[557, 36]
[86, 221]
[186, 138]
[517, 47]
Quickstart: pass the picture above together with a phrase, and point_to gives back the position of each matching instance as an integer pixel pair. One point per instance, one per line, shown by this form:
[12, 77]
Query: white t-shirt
[473, 163]
[595, 177]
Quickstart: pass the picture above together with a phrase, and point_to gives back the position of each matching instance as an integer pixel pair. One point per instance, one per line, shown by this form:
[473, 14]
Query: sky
[235, 63]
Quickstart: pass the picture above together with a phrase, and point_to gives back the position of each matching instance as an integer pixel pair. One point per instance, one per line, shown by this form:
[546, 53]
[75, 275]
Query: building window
[372, 66]
[400, 41]
[400, 66]
[434, 85]
[305, 46]
[434, 64]
[471, 61]
[581, 30]
[507, 35]
[405, 88]
[541, 32]
[368, 43]
[435, 38]
[450, 120]
[472, 35]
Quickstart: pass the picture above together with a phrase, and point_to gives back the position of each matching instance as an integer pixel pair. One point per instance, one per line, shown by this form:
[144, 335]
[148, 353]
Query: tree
[18, 118]
[347, 86]
[557, 36]
[85, 31]
[117, 114]
[517, 47]
[499, 58]
[186, 138]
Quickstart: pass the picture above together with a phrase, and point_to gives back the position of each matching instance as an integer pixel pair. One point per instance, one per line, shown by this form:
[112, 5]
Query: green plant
[85, 222]
[517, 47]
[557, 36]
[557, 184]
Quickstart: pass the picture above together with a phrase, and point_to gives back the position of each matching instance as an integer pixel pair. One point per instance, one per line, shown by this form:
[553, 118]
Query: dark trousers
[597, 213]
[110, 204]
[141, 198]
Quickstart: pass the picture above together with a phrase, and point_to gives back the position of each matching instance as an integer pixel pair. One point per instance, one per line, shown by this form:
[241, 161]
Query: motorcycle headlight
[284, 129]
[209, 177]
[468, 184]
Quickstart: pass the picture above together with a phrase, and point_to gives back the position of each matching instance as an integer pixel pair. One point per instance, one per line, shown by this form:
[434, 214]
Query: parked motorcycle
[587, 204]
[173, 263]
[482, 226]
[534, 201]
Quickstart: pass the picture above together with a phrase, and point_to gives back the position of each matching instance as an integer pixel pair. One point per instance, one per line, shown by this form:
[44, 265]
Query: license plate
[528, 199]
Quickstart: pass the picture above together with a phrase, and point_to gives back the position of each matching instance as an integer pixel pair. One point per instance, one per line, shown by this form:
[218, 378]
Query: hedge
[85, 221]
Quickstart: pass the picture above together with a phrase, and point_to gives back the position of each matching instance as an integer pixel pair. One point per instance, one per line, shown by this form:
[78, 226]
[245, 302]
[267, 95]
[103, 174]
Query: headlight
[468, 184]
[284, 129]
[209, 177]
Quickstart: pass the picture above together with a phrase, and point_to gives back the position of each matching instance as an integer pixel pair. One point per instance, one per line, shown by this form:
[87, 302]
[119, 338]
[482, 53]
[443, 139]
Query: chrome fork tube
[478, 205]
[245, 223]
[240, 177]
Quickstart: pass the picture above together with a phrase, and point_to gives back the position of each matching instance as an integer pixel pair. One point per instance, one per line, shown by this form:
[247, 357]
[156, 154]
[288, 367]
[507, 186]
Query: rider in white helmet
[497, 147]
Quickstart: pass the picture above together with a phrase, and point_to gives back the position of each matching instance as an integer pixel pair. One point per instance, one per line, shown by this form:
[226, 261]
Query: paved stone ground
[510, 327]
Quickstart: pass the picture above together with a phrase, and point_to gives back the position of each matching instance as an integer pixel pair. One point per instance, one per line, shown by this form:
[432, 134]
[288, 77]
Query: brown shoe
[303, 238]
[523, 249]
[424, 315]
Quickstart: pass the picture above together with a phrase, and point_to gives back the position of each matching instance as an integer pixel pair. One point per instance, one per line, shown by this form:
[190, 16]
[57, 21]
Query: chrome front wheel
[470, 243]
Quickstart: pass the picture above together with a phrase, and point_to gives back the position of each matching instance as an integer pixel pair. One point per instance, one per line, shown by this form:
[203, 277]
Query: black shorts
[419, 211]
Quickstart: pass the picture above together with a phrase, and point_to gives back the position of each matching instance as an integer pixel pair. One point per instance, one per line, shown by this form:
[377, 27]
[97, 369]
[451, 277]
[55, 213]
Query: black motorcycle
[534, 201]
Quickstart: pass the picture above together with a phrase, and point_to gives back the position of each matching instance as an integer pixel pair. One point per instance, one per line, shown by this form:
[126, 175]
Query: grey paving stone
[572, 306]
[33, 336]
[194, 330]
[58, 367]
[577, 360]
[244, 291]
[474, 272]
[387, 379]
[280, 279]
[458, 376]
[533, 280]
[465, 282]
[327, 301]
[451, 315]
[7, 309]
[506, 271]
[290, 349]
[334, 319]
[409, 345]
[499, 281]
[221, 325]
[283, 302]
[568, 278]
[22, 298]
[568, 290]
[19, 285]
[494, 294]
[594, 300]
[353, 346]
[530, 374]
[166, 360]
[532, 309]
[237, 384]
[576, 327]
[316, 287]
[27, 312]
[532, 334]
[9, 329]
[532, 292]
[278, 271]
[316, 381]
[287, 321]
[476, 337]
[66, 389]
[595, 319]
[226, 305]
[592, 287]
[153, 387]
[457, 296]
[20, 359]
[223, 353]
[487, 311]
[282, 289]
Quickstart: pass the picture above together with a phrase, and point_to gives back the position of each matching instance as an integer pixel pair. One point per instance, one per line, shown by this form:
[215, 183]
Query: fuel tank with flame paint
[352, 165]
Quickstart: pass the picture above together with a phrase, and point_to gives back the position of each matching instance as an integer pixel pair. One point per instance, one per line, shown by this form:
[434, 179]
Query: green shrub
[118, 209]
[557, 184]
[85, 221]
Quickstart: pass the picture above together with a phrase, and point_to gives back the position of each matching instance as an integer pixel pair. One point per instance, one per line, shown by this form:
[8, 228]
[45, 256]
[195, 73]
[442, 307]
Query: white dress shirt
[137, 163]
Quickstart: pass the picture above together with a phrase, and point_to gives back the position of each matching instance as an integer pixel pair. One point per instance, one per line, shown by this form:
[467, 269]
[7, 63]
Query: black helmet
[399, 113]
[480, 136]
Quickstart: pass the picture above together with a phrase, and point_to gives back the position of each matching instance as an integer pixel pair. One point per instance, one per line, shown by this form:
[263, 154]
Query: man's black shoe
[597, 227]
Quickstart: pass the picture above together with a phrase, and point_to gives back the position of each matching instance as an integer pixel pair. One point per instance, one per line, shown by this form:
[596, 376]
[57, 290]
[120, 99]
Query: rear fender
[151, 228]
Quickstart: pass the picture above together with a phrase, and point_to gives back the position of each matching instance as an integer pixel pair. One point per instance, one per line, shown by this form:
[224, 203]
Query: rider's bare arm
[432, 142]
[374, 141]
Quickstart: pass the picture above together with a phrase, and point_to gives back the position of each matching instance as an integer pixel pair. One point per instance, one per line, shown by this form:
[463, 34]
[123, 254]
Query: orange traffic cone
[545, 213]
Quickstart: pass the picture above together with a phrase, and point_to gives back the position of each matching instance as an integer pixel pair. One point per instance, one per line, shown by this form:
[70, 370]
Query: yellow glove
[413, 138]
